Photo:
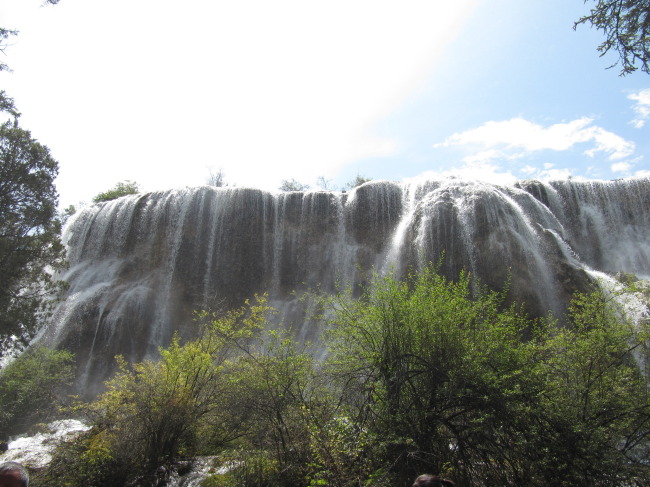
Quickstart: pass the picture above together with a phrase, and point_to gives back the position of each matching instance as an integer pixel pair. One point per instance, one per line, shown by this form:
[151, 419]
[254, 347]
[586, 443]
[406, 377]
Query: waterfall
[140, 265]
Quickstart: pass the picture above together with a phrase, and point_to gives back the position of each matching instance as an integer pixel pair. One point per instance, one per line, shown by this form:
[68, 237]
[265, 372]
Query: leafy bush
[431, 367]
[249, 468]
[30, 388]
[154, 413]
[293, 185]
[88, 460]
[357, 181]
[423, 375]
[594, 406]
[449, 381]
[121, 189]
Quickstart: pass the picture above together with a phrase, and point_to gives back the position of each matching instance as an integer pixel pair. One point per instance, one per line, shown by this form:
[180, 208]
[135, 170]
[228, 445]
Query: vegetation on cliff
[123, 188]
[423, 375]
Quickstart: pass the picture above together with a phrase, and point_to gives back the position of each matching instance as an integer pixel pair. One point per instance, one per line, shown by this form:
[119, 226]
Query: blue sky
[520, 94]
[163, 92]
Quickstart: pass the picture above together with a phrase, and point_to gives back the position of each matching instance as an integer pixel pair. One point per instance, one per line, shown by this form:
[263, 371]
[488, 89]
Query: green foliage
[248, 468]
[339, 451]
[595, 401]
[293, 185]
[626, 26]
[357, 181]
[423, 375]
[29, 228]
[6, 103]
[121, 189]
[65, 215]
[29, 232]
[452, 382]
[146, 418]
[30, 387]
[154, 413]
[4, 35]
[430, 365]
[279, 384]
[274, 384]
[86, 461]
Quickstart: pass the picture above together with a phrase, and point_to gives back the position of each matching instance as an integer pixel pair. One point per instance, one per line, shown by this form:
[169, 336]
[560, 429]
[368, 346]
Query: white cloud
[517, 137]
[480, 171]
[609, 142]
[642, 107]
[492, 173]
[621, 167]
[483, 157]
[528, 170]
[554, 174]
[548, 173]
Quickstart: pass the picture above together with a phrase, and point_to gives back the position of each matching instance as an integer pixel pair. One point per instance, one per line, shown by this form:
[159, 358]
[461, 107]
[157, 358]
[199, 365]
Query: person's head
[432, 481]
[13, 474]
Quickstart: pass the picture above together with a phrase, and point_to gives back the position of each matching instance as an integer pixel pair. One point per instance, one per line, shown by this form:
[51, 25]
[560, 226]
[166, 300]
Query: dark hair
[9, 467]
[432, 481]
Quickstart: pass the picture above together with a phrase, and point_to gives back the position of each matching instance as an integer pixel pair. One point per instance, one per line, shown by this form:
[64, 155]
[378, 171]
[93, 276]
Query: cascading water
[36, 449]
[141, 264]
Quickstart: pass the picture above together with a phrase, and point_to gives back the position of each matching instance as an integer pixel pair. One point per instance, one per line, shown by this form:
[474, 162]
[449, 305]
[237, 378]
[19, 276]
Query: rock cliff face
[140, 265]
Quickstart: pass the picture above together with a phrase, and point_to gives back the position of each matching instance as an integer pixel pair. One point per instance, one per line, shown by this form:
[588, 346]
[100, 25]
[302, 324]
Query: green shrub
[121, 189]
[31, 387]
[250, 469]
[423, 375]
[88, 460]
[448, 380]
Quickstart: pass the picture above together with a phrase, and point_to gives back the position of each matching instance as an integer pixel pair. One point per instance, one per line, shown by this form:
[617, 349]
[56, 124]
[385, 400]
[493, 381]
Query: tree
[427, 364]
[594, 407]
[66, 213]
[123, 188]
[7, 104]
[155, 412]
[4, 35]
[626, 25]
[357, 181]
[293, 185]
[325, 184]
[30, 387]
[30, 247]
[29, 227]
[217, 179]
[445, 378]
